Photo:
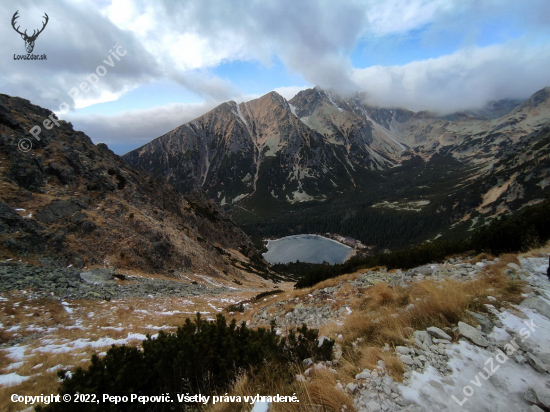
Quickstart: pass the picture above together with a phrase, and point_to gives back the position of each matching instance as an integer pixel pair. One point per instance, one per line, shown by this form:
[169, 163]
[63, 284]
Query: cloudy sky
[182, 58]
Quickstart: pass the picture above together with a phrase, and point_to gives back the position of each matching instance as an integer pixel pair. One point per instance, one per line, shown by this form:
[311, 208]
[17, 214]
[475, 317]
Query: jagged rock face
[366, 132]
[70, 202]
[236, 150]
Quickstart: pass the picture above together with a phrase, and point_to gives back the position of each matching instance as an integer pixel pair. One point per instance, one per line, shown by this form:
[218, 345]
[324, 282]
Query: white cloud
[288, 92]
[133, 128]
[399, 16]
[466, 79]
[184, 41]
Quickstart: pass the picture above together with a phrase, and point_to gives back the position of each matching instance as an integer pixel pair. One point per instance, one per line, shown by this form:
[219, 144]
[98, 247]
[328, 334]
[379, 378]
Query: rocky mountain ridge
[276, 163]
[70, 202]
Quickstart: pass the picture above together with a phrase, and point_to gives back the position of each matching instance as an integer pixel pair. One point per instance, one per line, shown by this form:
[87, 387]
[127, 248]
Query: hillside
[404, 341]
[68, 202]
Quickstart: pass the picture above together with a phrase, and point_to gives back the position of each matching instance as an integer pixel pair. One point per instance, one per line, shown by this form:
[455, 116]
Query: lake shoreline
[307, 248]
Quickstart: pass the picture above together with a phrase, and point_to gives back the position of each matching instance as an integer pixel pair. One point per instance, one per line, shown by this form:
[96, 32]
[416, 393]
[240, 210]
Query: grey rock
[525, 344]
[425, 270]
[472, 334]
[519, 359]
[351, 387]
[403, 350]
[544, 356]
[540, 399]
[56, 210]
[406, 359]
[437, 385]
[514, 266]
[537, 304]
[366, 374]
[535, 408]
[422, 336]
[486, 324]
[536, 363]
[98, 276]
[438, 333]
[373, 406]
[531, 396]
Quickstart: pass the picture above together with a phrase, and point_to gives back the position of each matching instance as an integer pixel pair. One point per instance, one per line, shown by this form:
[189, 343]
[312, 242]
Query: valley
[324, 163]
[275, 206]
[100, 261]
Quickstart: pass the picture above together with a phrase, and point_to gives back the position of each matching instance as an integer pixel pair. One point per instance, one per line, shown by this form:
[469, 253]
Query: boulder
[531, 396]
[402, 350]
[422, 337]
[351, 387]
[56, 210]
[486, 324]
[536, 363]
[438, 333]
[514, 266]
[437, 385]
[537, 398]
[363, 375]
[373, 407]
[544, 356]
[407, 359]
[472, 334]
[537, 304]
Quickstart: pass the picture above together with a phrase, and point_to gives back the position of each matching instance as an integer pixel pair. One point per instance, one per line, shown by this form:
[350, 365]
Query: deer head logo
[29, 40]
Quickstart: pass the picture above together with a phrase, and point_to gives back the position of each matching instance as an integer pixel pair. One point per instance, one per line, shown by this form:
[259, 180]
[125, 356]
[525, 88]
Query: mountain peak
[271, 98]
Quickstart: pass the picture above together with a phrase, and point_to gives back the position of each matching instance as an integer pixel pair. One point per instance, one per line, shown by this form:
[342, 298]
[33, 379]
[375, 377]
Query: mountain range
[387, 176]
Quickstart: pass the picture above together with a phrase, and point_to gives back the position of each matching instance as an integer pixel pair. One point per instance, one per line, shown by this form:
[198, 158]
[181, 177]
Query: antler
[15, 17]
[43, 27]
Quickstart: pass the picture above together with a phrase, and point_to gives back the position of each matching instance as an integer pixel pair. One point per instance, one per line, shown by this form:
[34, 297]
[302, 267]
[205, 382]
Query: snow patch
[12, 379]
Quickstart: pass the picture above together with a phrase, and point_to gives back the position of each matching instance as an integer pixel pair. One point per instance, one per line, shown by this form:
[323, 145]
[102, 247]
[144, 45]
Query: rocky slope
[255, 149]
[273, 162]
[70, 202]
[438, 363]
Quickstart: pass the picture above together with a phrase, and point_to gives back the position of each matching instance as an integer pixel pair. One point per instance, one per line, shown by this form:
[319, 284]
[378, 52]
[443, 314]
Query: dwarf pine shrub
[201, 357]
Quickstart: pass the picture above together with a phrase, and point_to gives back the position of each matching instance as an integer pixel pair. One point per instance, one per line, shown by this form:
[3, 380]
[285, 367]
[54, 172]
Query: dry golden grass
[480, 257]
[91, 320]
[319, 392]
[383, 316]
[542, 251]
[380, 316]
[507, 258]
[369, 357]
[240, 387]
[322, 391]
